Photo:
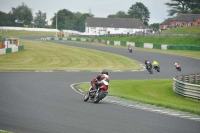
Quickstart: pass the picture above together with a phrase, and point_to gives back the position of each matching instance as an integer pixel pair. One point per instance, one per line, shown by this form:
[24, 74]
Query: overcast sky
[100, 8]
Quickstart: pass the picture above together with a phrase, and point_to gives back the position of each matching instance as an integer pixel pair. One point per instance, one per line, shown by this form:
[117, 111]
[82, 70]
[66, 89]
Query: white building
[101, 26]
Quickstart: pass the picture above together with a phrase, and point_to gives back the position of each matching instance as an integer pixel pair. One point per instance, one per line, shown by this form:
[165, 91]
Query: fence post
[195, 78]
[183, 78]
[189, 80]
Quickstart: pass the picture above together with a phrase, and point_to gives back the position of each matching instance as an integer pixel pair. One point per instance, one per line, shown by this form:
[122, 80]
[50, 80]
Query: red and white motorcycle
[98, 94]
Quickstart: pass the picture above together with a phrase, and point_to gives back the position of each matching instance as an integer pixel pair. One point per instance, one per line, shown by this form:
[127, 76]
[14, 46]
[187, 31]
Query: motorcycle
[157, 68]
[98, 94]
[178, 68]
[130, 50]
[150, 69]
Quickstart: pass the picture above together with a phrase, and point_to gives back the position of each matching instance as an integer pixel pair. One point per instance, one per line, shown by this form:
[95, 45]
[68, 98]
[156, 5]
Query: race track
[44, 102]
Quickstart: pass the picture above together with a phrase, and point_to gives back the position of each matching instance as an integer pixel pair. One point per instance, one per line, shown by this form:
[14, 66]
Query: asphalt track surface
[44, 102]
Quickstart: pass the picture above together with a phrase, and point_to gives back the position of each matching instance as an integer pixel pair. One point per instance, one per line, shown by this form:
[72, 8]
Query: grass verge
[155, 92]
[39, 55]
[170, 40]
[23, 33]
[183, 30]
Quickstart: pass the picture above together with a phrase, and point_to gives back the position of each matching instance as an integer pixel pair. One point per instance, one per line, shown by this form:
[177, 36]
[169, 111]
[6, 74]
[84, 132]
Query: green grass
[2, 131]
[39, 55]
[23, 33]
[183, 30]
[155, 92]
[170, 40]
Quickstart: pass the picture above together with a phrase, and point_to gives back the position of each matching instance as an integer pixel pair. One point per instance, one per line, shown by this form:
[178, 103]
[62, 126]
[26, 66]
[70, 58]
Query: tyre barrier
[182, 85]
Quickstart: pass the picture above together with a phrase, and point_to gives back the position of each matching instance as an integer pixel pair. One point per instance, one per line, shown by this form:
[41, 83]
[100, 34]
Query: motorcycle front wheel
[98, 96]
[86, 97]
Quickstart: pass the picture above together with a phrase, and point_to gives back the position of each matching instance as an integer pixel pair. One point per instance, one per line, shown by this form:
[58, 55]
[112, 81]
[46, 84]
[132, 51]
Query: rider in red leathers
[98, 81]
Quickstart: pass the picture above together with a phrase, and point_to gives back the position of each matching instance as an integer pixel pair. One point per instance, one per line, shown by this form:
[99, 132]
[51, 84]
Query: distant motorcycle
[157, 68]
[130, 50]
[178, 68]
[150, 69]
[98, 94]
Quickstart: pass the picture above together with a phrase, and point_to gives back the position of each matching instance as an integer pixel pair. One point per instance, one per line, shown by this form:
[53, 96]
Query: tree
[182, 6]
[196, 11]
[112, 16]
[139, 11]
[40, 19]
[64, 20]
[119, 14]
[22, 12]
[195, 7]
[80, 22]
[154, 26]
[4, 19]
[69, 20]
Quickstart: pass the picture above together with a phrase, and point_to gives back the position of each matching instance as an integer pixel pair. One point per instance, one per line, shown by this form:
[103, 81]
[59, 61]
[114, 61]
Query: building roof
[115, 22]
[166, 21]
[187, 17]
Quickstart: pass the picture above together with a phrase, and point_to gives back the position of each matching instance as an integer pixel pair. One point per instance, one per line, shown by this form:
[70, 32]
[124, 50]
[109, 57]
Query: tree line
[22, 15]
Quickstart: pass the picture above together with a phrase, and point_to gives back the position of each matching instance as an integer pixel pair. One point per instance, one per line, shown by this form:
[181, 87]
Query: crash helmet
[105, 72]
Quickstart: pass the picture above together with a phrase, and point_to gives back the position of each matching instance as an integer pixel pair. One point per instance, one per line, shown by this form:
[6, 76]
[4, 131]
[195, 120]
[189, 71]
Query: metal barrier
[182, 85]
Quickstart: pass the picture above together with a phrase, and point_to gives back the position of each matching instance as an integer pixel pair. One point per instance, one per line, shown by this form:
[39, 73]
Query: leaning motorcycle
[178, 68]
[150, 69]
[98, 94]
[157, 68]
[130, 50]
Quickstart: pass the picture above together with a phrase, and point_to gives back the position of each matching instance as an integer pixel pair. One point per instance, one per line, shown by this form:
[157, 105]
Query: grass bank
[155, 92]
[23, 33]
[39, 55]
[170, 40]
[183, 30]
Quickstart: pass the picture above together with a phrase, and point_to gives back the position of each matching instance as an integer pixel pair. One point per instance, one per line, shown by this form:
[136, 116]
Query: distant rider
[129, 46]
[98, 81]
[148, 64]
[145, 62]
[176, 65]
[155, 63]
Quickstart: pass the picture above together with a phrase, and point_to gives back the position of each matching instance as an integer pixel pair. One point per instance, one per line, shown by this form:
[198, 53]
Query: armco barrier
[182, 85]
[135, 44]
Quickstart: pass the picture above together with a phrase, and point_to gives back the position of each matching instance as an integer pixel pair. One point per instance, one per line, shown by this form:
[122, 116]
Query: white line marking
[44, 71]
